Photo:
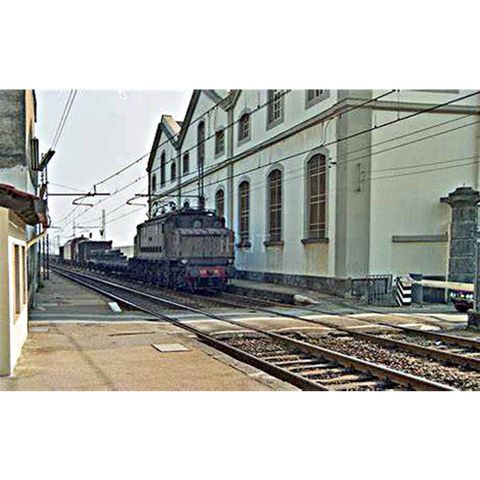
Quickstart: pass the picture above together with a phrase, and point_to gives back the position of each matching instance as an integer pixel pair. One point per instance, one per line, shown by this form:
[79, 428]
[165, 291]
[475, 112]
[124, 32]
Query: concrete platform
[100, 356]
[68, 349]
[287, 294]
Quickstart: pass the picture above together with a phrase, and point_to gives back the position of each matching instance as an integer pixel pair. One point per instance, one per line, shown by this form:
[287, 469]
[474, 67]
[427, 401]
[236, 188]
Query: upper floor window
[201, 145]
[186, 163]
[316, 196]
[154, 182]
[163, 162]
[220, 142]
[244, 211]
[244, 127]
[220, 203]
[275, 107]
[312, 97]
[173, 170]
[275, 206]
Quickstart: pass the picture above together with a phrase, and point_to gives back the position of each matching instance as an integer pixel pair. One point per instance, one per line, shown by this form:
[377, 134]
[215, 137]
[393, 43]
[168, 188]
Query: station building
[23, 218]
[324, 186]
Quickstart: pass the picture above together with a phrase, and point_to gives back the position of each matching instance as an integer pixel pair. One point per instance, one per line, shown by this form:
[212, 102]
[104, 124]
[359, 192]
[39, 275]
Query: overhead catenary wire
[365, 131]
[354, 107]
[373, 153]
[63, 119]
[258, 108]
[200, 117]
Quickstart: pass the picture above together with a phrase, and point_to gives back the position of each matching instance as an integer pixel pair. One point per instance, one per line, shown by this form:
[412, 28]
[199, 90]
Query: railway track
[464, 351]
[303, 364]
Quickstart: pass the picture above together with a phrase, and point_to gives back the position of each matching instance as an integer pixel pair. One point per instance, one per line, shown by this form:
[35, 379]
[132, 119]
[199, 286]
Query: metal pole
[476, 283]
[104, 234]
[48, 257]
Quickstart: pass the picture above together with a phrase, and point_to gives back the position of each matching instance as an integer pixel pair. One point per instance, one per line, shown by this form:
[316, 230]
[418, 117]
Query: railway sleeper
[286, 363]
[319, 366]
[280, 356]
[355, 377]
[322, 372]
[368, 385]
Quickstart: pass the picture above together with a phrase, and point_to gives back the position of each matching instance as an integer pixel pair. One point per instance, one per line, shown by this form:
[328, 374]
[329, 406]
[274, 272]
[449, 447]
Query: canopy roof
[31, 209]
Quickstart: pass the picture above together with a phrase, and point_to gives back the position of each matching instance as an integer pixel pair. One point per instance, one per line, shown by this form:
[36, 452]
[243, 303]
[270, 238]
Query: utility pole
[103, 233]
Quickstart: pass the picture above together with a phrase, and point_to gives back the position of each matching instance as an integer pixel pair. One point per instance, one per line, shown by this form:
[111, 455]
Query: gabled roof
[175, 130]
[215, 96]
[171, 128]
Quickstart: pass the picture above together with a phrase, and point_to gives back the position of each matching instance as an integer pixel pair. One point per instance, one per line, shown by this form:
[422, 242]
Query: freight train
[187, 248]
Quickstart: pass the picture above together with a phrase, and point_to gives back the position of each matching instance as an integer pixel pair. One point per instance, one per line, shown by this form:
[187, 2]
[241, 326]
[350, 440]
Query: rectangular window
[17, 280]
[24, 276]
[275, 108]
[313, 97]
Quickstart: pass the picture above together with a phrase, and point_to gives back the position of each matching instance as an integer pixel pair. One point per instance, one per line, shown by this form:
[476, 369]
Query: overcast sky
[105, 131]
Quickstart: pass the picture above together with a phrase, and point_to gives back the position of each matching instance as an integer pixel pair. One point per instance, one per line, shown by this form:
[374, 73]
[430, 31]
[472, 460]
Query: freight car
[78, 251]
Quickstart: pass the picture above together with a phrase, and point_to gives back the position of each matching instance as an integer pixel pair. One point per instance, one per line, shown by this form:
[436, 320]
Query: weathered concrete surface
[116, 352]
[12, 138]
[121, 357]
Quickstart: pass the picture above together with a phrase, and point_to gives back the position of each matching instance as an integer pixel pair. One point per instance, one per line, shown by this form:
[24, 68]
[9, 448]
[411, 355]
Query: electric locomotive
[187, 248]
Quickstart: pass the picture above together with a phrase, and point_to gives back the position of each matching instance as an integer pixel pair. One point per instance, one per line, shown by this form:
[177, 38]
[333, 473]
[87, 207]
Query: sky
[105, 131]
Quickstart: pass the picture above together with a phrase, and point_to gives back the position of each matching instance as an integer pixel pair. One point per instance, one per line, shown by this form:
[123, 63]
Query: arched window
[154, 182]
[201, 145]
[244, 211]
[186, 163]
[275, 206]
[316, 196]
[220, 203]
[173, 170]
[244, 127]
[220, 142]
[162, 169]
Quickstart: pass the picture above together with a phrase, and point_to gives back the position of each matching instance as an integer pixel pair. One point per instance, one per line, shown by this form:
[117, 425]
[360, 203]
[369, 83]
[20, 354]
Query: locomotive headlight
[230, 261]
[184, 261]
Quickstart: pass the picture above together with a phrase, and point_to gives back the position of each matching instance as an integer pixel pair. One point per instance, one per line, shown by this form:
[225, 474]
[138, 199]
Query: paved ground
[79, 343]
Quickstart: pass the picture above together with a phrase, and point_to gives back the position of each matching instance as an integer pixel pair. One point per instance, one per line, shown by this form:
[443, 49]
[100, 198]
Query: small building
[23, 220]
[18, 210]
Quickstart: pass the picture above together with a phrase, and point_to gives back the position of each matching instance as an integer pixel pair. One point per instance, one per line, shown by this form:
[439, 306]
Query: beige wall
[13, 325]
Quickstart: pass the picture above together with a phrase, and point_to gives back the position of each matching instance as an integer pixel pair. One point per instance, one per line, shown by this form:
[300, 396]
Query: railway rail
[307, 366]
[441, 351]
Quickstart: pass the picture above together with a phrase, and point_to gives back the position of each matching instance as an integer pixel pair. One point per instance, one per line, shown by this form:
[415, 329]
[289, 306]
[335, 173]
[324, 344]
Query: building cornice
[327, 114]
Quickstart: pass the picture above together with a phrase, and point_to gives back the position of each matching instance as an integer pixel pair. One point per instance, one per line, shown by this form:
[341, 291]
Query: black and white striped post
[403, 292]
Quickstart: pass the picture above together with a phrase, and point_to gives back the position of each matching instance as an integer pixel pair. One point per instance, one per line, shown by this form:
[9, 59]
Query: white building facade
[322, 186]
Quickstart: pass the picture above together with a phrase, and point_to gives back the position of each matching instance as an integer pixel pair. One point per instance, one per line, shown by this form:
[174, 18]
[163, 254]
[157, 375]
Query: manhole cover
[39, 329]
[171, 347]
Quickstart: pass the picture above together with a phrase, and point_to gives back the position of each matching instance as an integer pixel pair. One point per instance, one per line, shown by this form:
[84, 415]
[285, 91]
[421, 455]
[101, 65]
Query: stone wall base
[334, 286]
